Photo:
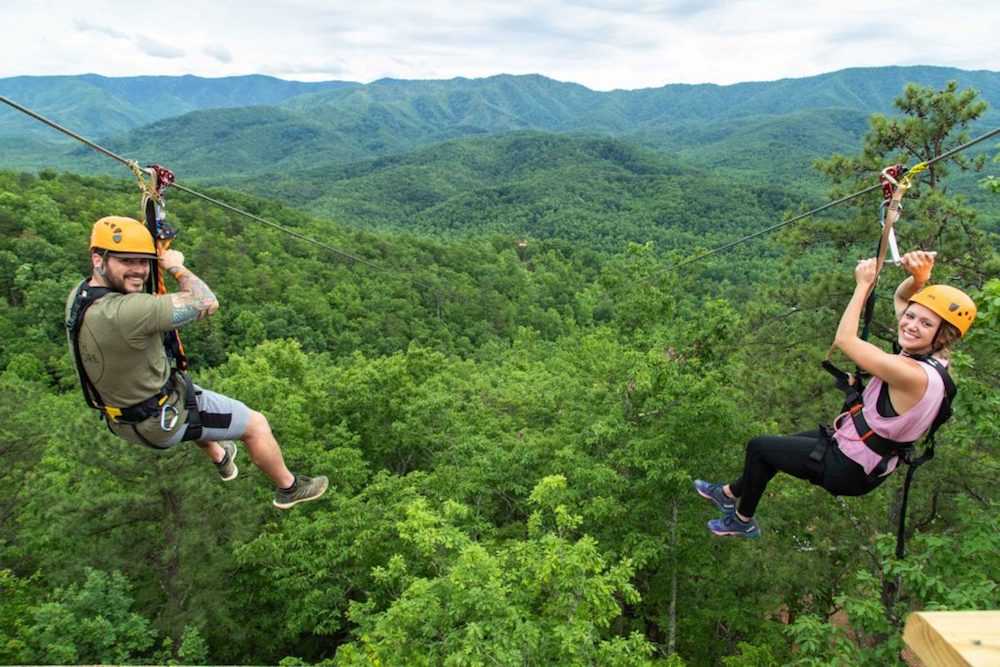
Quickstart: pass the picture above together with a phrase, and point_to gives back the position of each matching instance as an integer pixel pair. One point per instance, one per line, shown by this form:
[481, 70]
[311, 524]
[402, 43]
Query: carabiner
[167, 424]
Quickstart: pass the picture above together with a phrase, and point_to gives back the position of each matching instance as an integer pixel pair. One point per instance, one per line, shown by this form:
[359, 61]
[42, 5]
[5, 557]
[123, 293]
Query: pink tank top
[906, 427]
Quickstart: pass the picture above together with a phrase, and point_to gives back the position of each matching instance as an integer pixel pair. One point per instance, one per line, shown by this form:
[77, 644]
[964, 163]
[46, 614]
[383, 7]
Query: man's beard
[118, 282]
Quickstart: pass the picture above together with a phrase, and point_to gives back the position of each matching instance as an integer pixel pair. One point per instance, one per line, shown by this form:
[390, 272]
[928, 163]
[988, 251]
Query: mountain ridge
[105, 106]
[773, 130]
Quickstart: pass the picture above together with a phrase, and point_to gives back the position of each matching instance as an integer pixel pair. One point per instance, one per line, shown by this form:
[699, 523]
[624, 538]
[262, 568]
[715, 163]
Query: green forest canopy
[510, 451]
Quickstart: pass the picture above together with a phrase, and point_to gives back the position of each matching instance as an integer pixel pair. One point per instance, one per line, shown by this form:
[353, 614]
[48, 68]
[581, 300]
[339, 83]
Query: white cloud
[156, 48]
[83, 25]
[219, 53]
[602, 44]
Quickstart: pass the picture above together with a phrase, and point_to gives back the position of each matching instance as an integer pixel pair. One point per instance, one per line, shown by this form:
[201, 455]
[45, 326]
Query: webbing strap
[86, 294]
[893, 187]
[894, 208]
[154, 217]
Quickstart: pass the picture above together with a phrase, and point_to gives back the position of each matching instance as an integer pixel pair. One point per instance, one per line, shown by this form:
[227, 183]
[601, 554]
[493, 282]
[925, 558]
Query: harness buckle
[112, 413]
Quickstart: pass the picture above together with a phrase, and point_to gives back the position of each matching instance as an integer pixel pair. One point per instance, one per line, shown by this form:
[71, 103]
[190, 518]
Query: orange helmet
[952, 305]
[122, 237]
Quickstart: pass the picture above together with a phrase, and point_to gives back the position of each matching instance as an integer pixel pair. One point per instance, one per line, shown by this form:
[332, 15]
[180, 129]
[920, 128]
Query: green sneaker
[227, 467]
[303, 490]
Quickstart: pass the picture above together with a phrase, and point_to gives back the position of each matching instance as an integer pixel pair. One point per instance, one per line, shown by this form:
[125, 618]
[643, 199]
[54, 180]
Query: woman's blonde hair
[947, 334]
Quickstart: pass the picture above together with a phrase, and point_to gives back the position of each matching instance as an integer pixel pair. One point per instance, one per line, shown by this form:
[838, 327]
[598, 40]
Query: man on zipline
[116, 334]
[899, 405]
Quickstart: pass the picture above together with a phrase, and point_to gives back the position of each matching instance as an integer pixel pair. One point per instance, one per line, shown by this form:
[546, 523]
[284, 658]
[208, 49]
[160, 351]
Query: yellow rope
[916, 169]
[141, 175]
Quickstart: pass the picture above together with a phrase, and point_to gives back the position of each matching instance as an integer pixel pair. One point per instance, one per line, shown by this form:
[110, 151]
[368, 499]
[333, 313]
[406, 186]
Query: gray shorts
[222, 418]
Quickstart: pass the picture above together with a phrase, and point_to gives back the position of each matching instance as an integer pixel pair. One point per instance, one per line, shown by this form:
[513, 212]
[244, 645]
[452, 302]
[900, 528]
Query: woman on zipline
[900, 403]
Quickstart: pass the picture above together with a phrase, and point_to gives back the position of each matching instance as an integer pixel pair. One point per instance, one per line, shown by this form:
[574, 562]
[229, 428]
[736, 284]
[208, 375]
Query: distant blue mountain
[98, 106]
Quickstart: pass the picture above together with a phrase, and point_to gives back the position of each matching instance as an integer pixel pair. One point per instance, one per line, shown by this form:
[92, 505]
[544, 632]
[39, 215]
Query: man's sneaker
[714, 493]
[303, 490]
[227, 467]
[730, 525]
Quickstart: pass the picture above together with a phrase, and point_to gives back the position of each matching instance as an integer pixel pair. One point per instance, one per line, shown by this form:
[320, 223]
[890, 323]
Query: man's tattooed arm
[195, 300]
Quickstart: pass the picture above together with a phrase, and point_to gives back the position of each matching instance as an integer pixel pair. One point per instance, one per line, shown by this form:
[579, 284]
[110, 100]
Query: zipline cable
[814, 211]
[212, 200]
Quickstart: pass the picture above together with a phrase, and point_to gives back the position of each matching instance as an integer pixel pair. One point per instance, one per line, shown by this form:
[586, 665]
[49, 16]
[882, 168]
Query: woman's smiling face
[917, 328]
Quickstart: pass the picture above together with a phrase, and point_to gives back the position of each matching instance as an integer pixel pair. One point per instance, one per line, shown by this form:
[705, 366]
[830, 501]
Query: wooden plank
[955, 638]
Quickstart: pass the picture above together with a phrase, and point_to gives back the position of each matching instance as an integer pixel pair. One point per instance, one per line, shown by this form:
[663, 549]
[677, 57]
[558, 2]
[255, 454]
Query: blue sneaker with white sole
[714, 493]
[731, 525]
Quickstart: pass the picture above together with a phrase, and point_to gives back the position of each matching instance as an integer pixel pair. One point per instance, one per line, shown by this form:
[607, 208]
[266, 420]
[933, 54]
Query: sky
[601, 44]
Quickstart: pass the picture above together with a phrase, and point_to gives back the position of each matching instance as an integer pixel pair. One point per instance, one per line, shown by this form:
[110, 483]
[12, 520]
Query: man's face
[125, 274]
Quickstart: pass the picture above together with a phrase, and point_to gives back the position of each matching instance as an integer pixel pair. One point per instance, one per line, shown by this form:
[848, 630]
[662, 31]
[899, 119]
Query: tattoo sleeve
[195, 300]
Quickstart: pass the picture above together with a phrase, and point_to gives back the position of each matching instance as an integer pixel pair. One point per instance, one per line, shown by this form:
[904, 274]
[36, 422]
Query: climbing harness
[884, 447]
[84, 297]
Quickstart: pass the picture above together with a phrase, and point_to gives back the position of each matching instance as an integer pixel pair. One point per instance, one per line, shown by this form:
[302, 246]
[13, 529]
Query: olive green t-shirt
[121, 345]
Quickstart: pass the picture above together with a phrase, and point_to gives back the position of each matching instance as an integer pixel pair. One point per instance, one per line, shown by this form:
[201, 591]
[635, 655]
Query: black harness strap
[154, 217]
[86, 295]
[194, 423]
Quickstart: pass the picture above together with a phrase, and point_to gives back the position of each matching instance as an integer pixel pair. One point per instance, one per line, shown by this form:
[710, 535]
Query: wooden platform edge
[954, 638]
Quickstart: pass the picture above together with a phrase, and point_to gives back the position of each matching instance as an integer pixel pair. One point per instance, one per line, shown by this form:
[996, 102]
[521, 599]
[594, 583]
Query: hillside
[98, 106]
[276, 127]
[521, 156]
[601, 193]
[510, 435]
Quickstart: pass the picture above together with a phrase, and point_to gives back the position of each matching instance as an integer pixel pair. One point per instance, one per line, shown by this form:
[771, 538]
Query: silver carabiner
[894, 248]
[168, 423]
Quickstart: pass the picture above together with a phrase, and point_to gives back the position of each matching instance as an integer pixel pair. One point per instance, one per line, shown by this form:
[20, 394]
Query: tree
[933, 122]
[547, 599]
[15, 604]
[89, 623]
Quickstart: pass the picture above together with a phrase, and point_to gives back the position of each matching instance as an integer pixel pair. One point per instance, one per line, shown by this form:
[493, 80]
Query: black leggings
[769, 454]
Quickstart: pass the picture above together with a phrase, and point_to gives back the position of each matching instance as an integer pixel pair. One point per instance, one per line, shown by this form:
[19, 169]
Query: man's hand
[171, 260]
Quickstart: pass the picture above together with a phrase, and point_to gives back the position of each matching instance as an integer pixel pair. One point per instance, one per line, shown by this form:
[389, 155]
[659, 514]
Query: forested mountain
[511, 399]
[505, 102]
[98, 106]
[600, 193]
[279, 127]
